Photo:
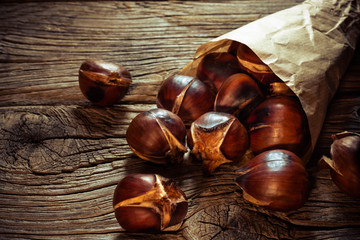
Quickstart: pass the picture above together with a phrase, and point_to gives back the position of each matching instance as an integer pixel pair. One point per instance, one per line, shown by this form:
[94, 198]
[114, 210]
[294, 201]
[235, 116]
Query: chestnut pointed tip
[237, 180]
[240, 178]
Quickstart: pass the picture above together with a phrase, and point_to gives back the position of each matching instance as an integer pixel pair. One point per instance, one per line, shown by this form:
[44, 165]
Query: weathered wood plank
[61, 157]
[151, 39]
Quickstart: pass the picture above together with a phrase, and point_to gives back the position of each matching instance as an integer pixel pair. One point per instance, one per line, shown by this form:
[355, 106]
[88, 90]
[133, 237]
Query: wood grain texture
[61, 157]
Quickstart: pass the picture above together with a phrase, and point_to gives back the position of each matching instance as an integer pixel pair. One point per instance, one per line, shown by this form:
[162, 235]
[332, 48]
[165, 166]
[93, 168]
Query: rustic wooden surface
[61, 157]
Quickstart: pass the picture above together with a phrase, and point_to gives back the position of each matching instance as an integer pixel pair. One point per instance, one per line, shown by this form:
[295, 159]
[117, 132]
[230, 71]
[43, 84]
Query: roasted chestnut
[216, 67]
[148, 203]
[345, 162]
[185, 96]
[279, 123]
[103, 83]
[157, 135]
[252, 64]
[238, 95]
[275, 179]
[217, 138]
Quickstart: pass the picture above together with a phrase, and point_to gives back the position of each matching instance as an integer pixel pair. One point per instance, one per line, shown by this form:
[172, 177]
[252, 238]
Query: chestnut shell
[345, 162]
[148, 203]
[130, 187]
[217, 138]
[185, 96]
[238, 95]
[216, 67]
[157, 135]
[275, 179]
[279, 122]
[103, 83]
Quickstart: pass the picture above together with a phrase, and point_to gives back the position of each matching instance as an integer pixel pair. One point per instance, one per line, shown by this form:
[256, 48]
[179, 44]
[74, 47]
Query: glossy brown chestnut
[103, 83]
[279, 123]
[274, 179]
[215, 68]
[238, 95]
[345, 162]
[157, 135]
[148, 203]
[217, 138]
[185, 96]
[252, 64]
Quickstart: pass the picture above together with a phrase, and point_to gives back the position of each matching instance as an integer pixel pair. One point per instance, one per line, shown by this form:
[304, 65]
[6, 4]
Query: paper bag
[308, 46]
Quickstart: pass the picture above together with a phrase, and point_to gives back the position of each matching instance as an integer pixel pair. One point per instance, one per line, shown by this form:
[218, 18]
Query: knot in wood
[24, 139]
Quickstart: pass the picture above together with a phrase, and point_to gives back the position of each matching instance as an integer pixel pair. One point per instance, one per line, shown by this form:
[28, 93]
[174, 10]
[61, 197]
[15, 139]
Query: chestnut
[275, 179]
[279, 122]
[345, 162]
[158, 136]
[103, 83]
[148, 203]
[216, 67]
[185, 96]
[252, 64]
[217, 138]
[238, 95]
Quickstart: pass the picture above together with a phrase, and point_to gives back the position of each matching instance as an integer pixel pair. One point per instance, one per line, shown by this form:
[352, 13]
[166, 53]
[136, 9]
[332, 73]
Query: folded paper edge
[343, 33]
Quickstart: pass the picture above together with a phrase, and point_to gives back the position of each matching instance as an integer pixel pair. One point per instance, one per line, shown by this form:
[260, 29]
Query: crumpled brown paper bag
[308, 46]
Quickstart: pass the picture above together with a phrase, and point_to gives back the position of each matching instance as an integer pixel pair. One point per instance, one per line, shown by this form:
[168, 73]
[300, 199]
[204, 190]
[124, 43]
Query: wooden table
[61, 157]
